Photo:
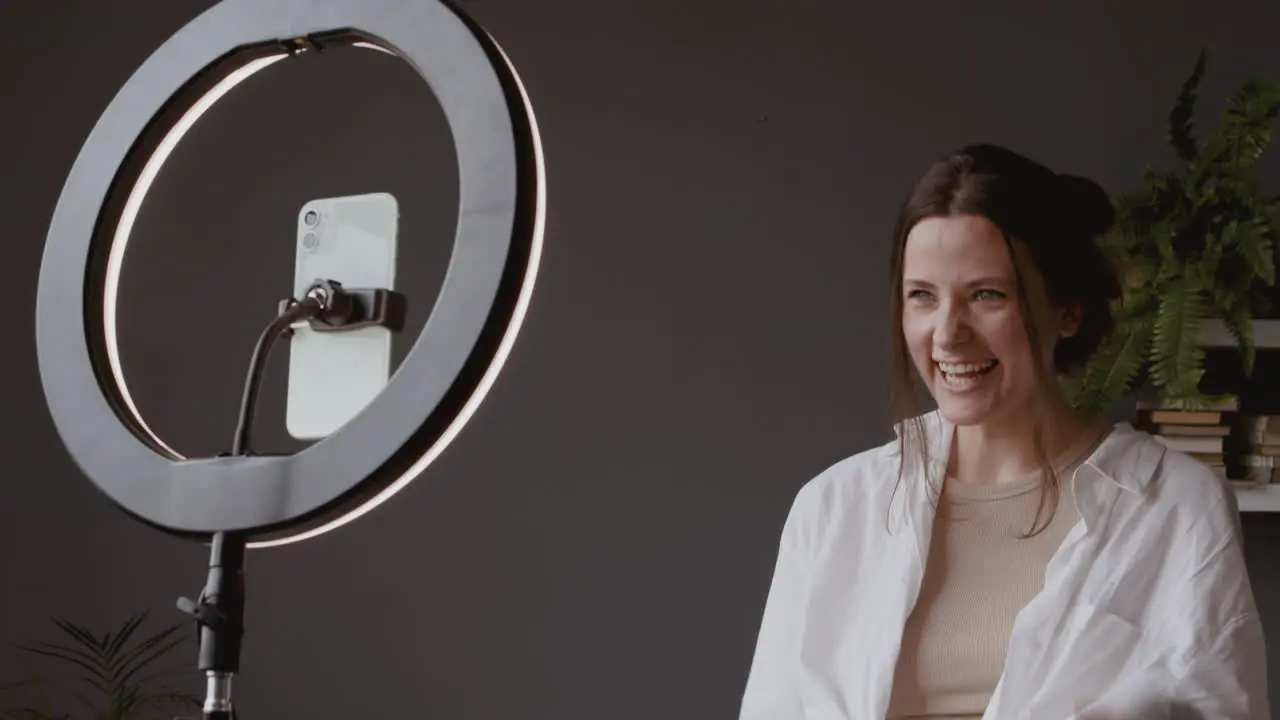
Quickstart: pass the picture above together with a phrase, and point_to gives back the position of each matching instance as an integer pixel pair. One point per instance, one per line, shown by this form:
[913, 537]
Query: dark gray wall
[707, 335]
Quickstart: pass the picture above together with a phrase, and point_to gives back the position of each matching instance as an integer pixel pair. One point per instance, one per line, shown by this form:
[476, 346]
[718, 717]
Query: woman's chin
[964, 411]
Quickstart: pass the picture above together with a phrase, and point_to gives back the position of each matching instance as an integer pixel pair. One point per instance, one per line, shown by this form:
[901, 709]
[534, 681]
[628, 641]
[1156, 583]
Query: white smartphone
[333, 376]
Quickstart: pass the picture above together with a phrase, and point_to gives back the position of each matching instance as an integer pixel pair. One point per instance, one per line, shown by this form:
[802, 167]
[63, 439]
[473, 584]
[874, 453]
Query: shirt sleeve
[1225, 675]
[1228, 679]
[772, 690]
[1208, 657]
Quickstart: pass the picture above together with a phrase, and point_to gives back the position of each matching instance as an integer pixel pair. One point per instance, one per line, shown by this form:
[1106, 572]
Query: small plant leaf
[1252, 242]
[65, 653]
[1114, 367]
[1180, 119]
[33, 714]
[141, 664]
[1176, 356]
[131, 657]
[1248, 119]
[126, 632]
[94, 675]
[84, 637]
[118, 667]
[1239, 323]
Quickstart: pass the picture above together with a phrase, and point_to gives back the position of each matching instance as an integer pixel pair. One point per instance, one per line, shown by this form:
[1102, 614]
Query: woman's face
[962, 324]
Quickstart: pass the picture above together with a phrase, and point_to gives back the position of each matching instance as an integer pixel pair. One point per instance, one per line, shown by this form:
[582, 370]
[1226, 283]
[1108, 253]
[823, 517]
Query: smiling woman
[999, 285]
[1052, 566]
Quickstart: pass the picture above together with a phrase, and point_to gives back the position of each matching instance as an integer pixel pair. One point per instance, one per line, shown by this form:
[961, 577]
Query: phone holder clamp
[346, 309]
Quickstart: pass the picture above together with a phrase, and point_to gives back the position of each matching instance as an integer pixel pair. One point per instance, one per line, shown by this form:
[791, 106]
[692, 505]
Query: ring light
[273, 500]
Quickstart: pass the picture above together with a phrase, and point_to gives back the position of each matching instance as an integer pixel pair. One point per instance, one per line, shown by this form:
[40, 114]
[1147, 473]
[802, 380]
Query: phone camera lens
[311, 217]
[310, 241]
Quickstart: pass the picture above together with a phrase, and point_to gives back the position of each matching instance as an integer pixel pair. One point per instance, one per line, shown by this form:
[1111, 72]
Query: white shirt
[1146, 611]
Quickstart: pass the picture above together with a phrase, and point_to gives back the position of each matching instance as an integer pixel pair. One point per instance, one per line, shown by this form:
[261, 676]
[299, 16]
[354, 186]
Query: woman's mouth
[966, 375]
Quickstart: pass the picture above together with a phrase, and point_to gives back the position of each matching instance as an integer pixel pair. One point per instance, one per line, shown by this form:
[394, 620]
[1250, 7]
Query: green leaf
[1212, 256]
[1180, 119]
[113, 665]
[64, 653]
[168, 700]
[19, 684]
[1240, 324]
[133, 656]
[95, 677]
[126, 632]
[1245, 130]
[1175, 354]
[1169, 262]
[87, 702]
[1113, 368]
[146, 660]
[32, 714]
[81, 635]
[1253, 244]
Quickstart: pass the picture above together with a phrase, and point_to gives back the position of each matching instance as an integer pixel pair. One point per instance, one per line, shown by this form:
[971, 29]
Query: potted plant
[112, 676]
[1195, 242]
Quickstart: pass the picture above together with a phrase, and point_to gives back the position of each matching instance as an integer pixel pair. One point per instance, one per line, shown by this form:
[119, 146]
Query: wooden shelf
[1266, 335]
[1264, 498]
[1214, 333]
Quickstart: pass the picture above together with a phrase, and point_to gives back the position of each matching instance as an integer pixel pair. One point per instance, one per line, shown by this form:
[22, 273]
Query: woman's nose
[952, 327]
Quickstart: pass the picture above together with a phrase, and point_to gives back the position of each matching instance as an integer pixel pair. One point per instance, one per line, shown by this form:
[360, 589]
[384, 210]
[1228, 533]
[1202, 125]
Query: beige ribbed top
[979, 574]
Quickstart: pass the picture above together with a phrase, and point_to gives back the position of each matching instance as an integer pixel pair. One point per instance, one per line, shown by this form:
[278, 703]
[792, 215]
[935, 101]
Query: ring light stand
[240, 500]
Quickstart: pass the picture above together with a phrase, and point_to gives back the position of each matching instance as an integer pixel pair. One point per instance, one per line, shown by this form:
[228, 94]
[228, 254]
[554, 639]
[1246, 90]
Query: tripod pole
[220, 616]
[220, 610]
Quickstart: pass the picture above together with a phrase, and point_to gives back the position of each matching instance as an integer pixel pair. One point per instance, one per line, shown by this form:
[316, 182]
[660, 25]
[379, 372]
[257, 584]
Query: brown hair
[1056, 219]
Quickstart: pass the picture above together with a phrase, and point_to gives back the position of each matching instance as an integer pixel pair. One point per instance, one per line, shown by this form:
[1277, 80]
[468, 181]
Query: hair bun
[1086, 204]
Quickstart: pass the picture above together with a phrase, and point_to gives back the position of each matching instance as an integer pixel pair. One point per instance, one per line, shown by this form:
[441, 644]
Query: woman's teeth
[961, 368]
[965, 374]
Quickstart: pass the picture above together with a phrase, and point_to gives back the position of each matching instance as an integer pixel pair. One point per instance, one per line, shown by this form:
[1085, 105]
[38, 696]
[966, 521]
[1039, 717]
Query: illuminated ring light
[444, 377]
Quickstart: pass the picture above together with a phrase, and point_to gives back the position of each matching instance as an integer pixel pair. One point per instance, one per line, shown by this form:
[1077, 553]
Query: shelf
[1214, 333]
[1266, 334]
[1265, 498]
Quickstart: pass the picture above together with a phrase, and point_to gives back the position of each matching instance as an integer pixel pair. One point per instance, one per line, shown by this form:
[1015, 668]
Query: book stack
[1260, 448]
[1242, 448]
[1203, 433]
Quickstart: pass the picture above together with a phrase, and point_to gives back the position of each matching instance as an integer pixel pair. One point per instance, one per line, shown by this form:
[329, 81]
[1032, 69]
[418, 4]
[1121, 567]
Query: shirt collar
[1127, 457]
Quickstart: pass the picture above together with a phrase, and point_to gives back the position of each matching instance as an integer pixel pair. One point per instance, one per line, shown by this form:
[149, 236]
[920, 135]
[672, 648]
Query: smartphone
[333, 376]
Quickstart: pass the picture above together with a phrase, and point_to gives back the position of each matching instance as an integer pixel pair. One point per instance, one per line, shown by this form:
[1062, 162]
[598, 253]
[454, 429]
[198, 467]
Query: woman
[1005, 557]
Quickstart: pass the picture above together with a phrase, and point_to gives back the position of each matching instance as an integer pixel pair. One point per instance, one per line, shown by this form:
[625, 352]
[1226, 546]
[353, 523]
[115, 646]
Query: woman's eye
[917, 295]
[989, 295]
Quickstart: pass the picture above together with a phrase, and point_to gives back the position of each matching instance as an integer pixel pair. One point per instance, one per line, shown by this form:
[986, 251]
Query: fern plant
[111, 676]
[1196, 242]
